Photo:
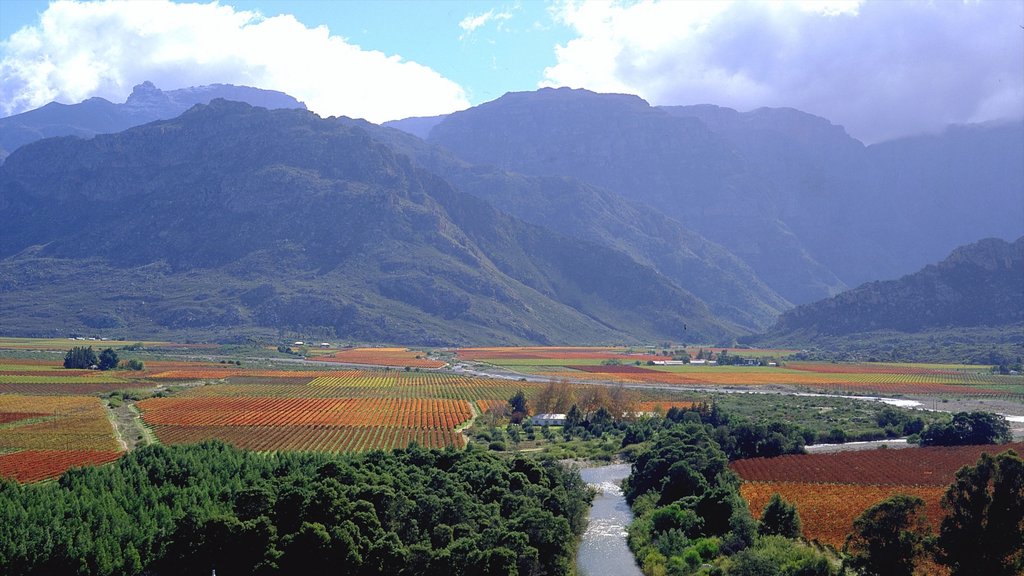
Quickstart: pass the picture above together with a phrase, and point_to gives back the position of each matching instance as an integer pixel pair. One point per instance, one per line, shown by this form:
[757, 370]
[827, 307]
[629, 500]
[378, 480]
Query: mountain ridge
[236, 219]
[145, 104]
[980, 284]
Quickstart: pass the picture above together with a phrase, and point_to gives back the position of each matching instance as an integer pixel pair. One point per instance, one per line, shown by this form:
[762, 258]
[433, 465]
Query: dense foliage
[80, 357]
[736, 437]
[968, 428]
[888, 538]
[983, 531]
[189, 510]
[689, 513]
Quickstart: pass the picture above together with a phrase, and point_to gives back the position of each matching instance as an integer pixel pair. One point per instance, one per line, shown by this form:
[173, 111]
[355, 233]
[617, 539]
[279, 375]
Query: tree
[888, 538]
[984, 525]
[779, 518]
[108, 359]
[518, 403]
[573, 418]
[968, 428]
[80, 357]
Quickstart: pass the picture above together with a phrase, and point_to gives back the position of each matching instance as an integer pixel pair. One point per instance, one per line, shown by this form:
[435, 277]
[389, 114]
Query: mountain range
[555, 216]
[810, 209]
[231, 218]
[145, 104]
[981, 284]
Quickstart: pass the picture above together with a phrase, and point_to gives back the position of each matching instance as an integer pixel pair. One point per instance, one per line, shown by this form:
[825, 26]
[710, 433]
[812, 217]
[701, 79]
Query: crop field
[831, 490]
[370, 384]
[396, 357]
[47, 377]
[36, 465]
[42, 436]
[298, 423]
[630, 366]
[302, 438]
[889, 382]
[518, 356]
[827, 511]
[345, 410]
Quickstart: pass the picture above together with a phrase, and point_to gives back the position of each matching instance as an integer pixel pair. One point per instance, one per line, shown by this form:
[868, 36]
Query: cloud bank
[84, 49]
[882, 69]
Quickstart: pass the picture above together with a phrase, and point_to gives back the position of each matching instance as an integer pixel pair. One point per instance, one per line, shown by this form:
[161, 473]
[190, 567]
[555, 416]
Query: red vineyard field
[57, 388]
[8, 417]
[344, 439]
[827, 511]
[370, 384]
[35, 465]
[933, 466]
[62, 423]
[552, 353]
[330, 412]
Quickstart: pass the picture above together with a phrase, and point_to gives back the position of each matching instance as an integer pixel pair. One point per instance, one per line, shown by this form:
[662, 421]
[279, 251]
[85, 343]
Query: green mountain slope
[979, 285]
[731, 289]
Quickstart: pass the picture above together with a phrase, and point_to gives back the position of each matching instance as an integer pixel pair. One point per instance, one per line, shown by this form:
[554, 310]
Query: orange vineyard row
[348, 439]
[35, 465]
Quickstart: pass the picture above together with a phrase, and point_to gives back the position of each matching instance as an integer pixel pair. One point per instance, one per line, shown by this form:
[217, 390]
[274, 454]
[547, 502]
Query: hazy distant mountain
[884, 210]
[730, 288]
[232, 219]
[981, 284]
[808, 208]
[419, 126]
[145, 104]
[676, 165]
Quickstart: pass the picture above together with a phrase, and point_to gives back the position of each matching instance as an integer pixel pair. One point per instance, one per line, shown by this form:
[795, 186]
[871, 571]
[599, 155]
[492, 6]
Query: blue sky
[880, 68]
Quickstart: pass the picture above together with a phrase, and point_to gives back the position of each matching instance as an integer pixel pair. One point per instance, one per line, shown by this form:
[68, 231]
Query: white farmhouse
[548, 419]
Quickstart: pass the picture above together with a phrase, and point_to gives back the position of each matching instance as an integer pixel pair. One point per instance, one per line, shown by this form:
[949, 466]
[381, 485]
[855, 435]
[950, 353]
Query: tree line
[691, 519]
[194, 509]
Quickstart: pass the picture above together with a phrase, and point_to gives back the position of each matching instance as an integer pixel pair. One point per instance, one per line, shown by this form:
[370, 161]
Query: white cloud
[471, 23]
[84, 49]
[881, 68]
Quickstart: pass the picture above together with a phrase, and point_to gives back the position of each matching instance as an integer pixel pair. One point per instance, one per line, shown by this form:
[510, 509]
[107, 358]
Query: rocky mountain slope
[145, 104]
[232, 220]
[981, 284]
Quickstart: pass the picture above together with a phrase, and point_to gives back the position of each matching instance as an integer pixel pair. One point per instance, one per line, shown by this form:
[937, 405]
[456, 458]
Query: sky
[882, 69]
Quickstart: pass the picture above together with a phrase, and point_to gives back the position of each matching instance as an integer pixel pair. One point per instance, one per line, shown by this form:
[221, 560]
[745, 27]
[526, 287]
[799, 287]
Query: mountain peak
[147, 95]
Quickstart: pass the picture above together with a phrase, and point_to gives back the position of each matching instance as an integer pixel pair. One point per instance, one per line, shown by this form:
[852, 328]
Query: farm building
[548, 419]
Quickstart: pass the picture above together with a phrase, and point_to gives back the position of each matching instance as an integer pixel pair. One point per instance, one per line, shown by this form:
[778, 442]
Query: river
[603, 550]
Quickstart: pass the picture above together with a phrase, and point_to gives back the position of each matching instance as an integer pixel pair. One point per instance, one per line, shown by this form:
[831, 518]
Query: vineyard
[293, 423]
[888, 382]
[45, 435]
[36, 465]
[346, 410]
[831, 490]
[396, 357]
[827, 511]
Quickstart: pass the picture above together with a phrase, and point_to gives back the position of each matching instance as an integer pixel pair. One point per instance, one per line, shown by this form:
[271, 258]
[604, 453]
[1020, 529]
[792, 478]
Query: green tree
[780, 518]
[968, 428]
[108, 359]
[573, 417]
[983, 530]
[518, 404]
[889, 538]
[80, 357]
